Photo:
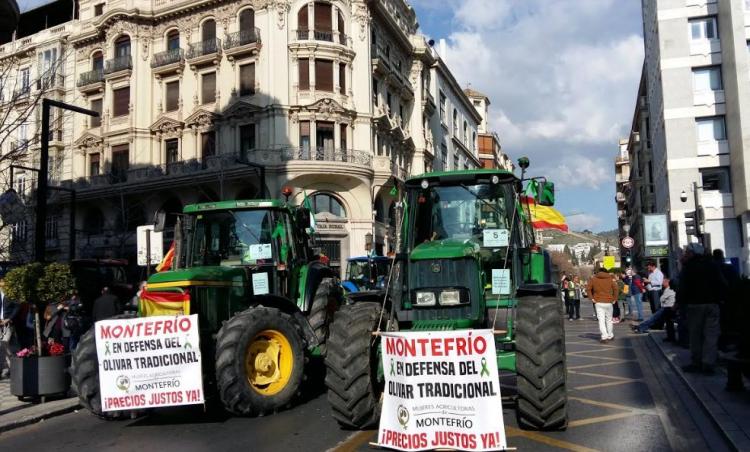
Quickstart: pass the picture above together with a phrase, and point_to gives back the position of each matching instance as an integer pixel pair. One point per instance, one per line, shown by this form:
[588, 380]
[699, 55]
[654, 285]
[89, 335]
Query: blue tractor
[366, 274]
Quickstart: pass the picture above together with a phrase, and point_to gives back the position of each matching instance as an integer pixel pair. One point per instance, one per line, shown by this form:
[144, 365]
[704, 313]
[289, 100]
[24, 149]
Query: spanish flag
[166, 263]
[163, 303]
[544, 217]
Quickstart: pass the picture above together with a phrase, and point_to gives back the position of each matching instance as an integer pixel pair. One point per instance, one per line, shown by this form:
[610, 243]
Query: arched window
[208, 30]
[325, 203]
[173, 40]
[97, 61]
[341, 28]
[122, 46]
[323, 21]
[455, 122]
[302, 24]
[247, 20]
[466, 132]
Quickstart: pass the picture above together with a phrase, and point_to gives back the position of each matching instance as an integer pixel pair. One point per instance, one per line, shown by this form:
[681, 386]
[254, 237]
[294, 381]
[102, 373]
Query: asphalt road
[623, 396]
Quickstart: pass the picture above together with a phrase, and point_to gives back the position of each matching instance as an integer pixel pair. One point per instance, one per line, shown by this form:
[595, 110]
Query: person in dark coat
[106, 306]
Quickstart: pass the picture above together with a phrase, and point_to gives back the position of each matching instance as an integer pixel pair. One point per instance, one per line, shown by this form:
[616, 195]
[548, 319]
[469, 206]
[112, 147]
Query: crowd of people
[702, 299]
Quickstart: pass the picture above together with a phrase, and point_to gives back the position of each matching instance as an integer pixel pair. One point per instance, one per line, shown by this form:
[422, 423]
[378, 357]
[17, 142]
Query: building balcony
[51, 82]
[204, 52]
[168, 62]
[620, 197]
[328, 155]
[91, 81]
[121, 66]
[22, 95]
[243, 42]
[337, 37]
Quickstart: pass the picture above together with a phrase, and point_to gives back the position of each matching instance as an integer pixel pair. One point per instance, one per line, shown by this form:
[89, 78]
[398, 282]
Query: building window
[95, 168]
[466, 134]
[324, 203]
[247, 79]
[324, 138]
[247, 20]
[98, 9]
[343, 129]
[208, 30]
[120, 162]
[444, 155]
[324, 75]
[172, 100]
[122, 46]
[24, 75]
[172, 150]
[208, 87]
[50, 229]
[716, 179]
[703, 29]
[97, 62]
[375, 98]
[455, 123]
[304, 73]
[442, 106]
[707, 78]
[323, 16]
[474, 141]
[304, 136]
[342, 78]
[247, 140]
[208, 144]
[173, 40]
[388, 102]
[121, 101]
[455, 161]
[711, 129]
[20, 231]
[96, 105]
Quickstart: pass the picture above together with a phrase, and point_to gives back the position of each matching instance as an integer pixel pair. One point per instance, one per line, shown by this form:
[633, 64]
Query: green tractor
[466, 259]
[263, 299]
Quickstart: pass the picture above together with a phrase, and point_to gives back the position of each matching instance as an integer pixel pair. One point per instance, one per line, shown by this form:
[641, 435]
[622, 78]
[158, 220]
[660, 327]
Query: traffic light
[694, 222]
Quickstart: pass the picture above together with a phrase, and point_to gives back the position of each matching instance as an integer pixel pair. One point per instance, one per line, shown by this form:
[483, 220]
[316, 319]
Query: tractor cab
[366, 273]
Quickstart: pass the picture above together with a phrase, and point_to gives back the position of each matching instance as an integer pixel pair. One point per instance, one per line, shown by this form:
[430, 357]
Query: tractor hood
[445, 249]
[199, 276]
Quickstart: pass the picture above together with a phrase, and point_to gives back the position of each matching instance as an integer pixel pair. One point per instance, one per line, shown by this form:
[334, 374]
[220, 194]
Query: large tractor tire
[325, 303]
[259, 361]
[85, 377]
[540, 363]
[352, 377]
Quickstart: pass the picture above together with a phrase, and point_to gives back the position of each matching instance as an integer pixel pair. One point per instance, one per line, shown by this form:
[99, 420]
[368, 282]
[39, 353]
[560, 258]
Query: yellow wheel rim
[269, 362]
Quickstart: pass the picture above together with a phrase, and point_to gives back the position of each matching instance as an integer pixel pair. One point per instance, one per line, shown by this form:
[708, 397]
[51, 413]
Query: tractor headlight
[425, 299]
[450, 297]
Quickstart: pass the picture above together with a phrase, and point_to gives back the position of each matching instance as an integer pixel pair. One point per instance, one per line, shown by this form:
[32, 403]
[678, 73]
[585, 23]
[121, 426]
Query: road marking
[606, 385]
[540, 438]
[597, 357]
[586, 366]
[354, 441]
[597, 350]
[591, 374]
[596, 420]
[614, 406]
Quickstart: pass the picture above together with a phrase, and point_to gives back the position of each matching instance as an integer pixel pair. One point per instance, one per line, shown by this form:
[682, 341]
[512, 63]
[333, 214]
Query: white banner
[155, 239]
[149, 362]
[442, 390]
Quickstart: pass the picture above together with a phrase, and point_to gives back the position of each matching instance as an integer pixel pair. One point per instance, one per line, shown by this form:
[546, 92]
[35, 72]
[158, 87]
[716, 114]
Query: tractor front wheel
[259, 361]
[353, 378]
[540, 363]
[326, 301]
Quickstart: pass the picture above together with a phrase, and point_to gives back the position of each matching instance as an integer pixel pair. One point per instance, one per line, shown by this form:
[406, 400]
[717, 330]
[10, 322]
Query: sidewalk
[15, 413]
[730, 411]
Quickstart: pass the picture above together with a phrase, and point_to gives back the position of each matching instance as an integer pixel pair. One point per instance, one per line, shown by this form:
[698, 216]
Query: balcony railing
[21, 92]
[90, 77]
[50, 81]
[170, 56]
[328, 155]
[120, 63]
[242, 38]
[320, 35]
[199, 49]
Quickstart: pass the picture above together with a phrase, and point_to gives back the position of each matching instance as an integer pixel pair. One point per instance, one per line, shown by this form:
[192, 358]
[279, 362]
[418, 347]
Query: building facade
[694, 101]
[488, 142]
[205, 100]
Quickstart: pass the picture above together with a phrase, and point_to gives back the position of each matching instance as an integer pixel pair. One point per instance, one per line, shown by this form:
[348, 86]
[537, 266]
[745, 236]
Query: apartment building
[488, 142]
[694, 101]
[205, 100]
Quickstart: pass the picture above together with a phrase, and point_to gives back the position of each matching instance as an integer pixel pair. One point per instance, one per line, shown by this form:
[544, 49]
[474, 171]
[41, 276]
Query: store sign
[442, 392]
[657, 251]
[330, 226]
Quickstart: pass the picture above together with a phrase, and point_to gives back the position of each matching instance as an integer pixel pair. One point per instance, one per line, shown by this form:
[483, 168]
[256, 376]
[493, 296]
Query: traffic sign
[627, 242]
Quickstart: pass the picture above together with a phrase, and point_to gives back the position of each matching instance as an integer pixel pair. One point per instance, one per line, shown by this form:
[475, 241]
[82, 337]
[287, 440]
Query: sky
[26, 5]
[562, 77]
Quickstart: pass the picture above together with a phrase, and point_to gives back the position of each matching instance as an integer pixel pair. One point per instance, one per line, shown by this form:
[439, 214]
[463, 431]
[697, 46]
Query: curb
[727, 439]
[32, 418]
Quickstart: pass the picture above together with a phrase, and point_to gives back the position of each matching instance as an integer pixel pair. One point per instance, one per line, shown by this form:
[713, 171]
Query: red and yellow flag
[544, 217]
[166, 263]
[163, 303]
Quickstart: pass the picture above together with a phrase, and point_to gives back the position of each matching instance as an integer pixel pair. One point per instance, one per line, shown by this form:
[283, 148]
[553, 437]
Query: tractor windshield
[462, 212]
[246, 237]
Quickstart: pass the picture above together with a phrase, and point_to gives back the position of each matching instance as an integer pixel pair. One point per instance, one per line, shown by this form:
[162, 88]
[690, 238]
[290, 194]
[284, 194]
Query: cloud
[579, 222]
[562, 77]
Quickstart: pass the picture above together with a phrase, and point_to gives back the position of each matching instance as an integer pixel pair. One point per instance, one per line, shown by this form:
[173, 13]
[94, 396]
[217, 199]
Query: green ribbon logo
[106, 348]
[484, 371]
[393, 371]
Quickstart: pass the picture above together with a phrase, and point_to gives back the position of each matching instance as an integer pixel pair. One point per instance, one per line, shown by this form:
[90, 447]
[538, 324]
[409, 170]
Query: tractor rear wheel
[259, 361]
[326, 301]
[354, 382]
[540, 363]
[85, 376]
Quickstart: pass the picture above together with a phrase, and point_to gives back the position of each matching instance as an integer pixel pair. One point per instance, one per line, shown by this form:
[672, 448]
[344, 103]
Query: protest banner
[149, 362]
[442, 390]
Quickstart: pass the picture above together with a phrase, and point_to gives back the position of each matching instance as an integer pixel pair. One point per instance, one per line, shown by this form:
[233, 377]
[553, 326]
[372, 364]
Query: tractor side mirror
[545, 193]
[160, 218]
[303, 217]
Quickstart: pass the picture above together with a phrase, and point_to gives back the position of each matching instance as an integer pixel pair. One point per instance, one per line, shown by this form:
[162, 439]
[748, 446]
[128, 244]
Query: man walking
[603, 291]
[655, 280]
[8, 310]
[106, 306]
[702, 287]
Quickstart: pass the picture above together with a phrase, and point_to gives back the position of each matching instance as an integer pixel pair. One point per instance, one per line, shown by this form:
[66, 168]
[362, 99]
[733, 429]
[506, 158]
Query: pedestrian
[106, 306]
[653, 285]
[621, 293]
[636, 289]
[603, 291]
[702, 287]
[8, 310]
[730, 305]
[74, 324]
[53, 317]
[564, 284]
[575, 302]
[666, 313]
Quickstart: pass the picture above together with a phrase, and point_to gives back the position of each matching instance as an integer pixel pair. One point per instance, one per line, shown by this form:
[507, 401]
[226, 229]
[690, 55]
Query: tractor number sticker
[262, 251]
[149, 362]
[500, 281]
[442, 391]
[260, 283]
[495, 238]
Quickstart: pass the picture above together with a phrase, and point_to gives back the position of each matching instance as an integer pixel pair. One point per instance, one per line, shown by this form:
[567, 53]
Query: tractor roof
[472, 175]
[237, 204]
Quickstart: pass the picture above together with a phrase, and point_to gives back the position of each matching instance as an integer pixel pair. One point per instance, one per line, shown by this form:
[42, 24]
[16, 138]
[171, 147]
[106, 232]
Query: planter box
[39, 376]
